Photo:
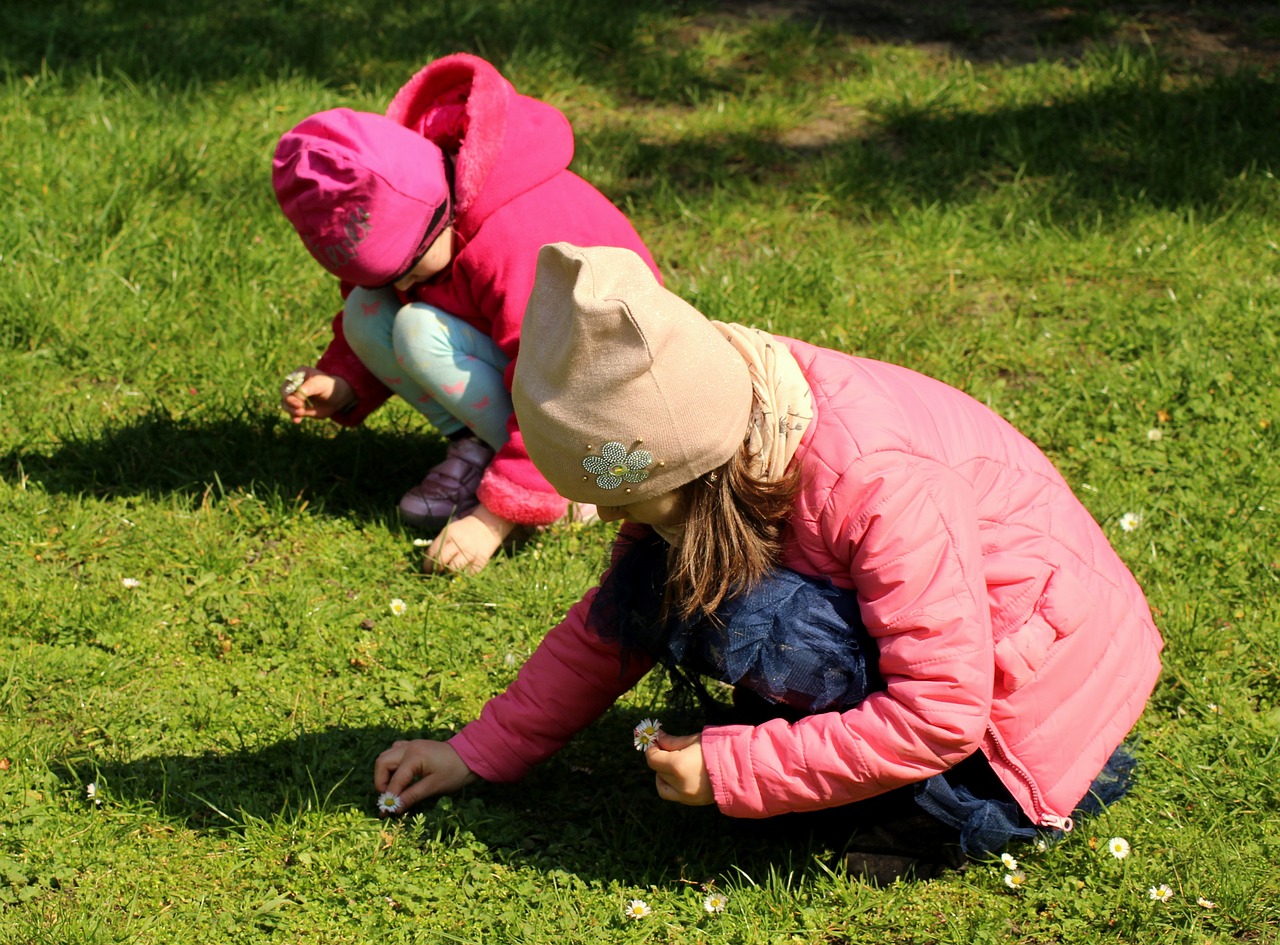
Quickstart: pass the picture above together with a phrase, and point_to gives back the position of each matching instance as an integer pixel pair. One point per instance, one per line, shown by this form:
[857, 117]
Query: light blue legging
[445, 369]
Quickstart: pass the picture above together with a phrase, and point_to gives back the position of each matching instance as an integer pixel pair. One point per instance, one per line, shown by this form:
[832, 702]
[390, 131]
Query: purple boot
[449, 489]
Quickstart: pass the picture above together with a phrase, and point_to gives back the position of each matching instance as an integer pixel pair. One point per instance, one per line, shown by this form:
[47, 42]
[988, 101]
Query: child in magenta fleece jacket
[431, 216]
[989, 651]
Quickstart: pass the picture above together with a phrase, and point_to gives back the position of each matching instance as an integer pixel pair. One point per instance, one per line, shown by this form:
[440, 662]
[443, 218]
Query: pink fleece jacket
[513, 193]
[1004, 620]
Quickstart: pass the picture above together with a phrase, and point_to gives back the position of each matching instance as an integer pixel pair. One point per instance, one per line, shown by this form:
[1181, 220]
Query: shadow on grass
[359, 473]
[600, 820]
[1094, 159]
[336, 43]
[340, 43]
[1129, 138]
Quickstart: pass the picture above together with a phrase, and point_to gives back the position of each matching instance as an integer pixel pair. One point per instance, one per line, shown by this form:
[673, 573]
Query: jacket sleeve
[569, 681]
[340, 361]
[904, 527]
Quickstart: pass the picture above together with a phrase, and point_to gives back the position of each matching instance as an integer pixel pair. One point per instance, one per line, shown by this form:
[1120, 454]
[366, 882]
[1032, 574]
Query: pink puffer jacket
[1004, 620]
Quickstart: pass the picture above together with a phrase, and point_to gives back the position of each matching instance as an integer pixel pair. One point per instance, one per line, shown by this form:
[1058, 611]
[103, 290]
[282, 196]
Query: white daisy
[91, 792]
[389, 804]
[292, 381]
[637, 909]
[130, 583]
[1205, 903]
[715, 902]
[398, 607]
[1161, 893]
[1015, 880]
[646, 733]
[1119, 847]
[1130, 521]
[1154, 435]
[1009, 862]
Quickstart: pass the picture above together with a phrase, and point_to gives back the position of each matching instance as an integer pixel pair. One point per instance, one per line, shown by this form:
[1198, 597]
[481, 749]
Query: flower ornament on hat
[366, 194]
[623, 390]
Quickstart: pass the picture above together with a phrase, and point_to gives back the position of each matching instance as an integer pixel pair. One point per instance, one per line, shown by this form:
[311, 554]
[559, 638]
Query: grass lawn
[1068, 210]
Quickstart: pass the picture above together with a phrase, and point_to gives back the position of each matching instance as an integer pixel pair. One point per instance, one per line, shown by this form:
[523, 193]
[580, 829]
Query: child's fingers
[668, 742]
[680, 772]
[386, 764]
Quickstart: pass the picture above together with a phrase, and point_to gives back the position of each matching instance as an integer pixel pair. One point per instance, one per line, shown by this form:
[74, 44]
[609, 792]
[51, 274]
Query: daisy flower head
[1204, 903]
[130, 583]
[637, 909]
[1015, 880]
[1154, 435]
[1119, 847]
[91, 792]
[715, 902]
[1130, 521]
[1009, 862]
[398, 607]
[1161, 893]
[389, 804]
[292, 381]
[646, 733]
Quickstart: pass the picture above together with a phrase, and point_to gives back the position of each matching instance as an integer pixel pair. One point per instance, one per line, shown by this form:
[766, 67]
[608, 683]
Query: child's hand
[318, 395]
[468, 543]
[420, 769]
[680, 770]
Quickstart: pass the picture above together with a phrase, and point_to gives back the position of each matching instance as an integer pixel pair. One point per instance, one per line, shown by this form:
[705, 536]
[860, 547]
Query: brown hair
[732, 536]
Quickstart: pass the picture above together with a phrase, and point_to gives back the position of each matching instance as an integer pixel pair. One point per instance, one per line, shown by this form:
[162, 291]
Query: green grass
[1087, 243]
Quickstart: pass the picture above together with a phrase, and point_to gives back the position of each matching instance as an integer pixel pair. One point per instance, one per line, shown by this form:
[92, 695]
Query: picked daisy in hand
[646, 733]
[1119, 847]
[292, 382]
[715, 902]
[637, 909]
[389, 804]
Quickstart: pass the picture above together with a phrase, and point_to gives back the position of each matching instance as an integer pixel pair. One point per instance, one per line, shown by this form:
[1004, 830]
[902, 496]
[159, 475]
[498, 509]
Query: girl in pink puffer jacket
[1008, 650]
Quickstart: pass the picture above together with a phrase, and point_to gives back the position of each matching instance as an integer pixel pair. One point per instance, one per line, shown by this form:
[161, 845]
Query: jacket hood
[502, 143]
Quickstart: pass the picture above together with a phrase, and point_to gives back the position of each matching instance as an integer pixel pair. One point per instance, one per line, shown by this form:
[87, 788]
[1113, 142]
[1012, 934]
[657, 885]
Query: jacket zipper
[1065, 824]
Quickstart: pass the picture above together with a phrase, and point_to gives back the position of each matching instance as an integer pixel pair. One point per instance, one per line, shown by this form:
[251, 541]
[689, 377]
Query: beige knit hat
[623, 391]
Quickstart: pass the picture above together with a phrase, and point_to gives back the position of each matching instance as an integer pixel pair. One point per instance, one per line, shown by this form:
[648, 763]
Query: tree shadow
[342, 43]
[359, 473]
[1021, 31]
[336, 43]
[1097, 158]
[1137, 141]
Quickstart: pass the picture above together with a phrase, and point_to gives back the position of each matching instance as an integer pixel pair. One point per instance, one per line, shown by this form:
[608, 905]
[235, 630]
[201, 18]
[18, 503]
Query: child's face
[661, 511]
[438, 255]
